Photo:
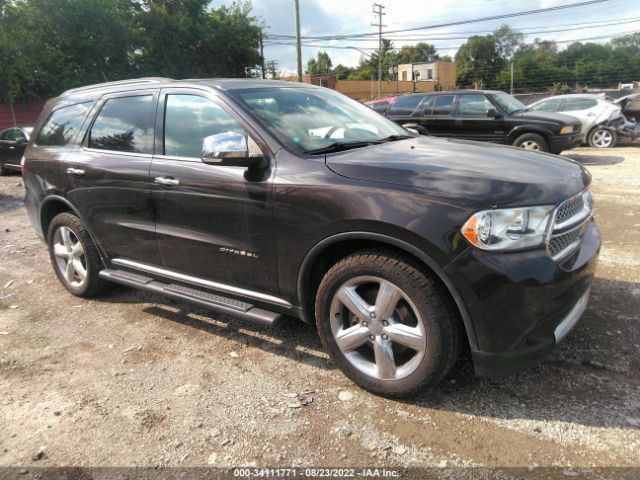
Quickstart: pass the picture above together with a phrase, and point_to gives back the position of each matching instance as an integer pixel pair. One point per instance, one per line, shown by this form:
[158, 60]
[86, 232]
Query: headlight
[566, 130]
[508, 229]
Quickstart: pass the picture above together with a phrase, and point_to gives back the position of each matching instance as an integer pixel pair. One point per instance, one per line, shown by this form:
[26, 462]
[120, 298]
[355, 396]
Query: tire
[532, 141]
[65, 233]
[601, 137]
[429, 322]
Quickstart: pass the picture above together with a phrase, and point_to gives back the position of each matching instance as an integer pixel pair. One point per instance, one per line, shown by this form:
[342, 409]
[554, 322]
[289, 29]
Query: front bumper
[522, 304]
[559, 143]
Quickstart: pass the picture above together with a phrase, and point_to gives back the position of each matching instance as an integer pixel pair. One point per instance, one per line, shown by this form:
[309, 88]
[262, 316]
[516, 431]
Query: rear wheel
[532, 141]
[386, 324]
[74, 256]
[601, 137]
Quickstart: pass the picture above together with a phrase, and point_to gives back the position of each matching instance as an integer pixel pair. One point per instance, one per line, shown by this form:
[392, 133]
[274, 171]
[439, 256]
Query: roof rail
[135, 81]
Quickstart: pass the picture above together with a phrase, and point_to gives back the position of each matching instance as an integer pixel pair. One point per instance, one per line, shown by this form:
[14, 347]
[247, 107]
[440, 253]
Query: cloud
[330, 17]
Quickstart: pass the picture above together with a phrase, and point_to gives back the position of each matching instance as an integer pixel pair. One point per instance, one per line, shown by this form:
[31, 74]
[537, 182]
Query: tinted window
[380, 107]
[474, 106]
[405, 105]
[550, 105]
[62, 125]
[443, 104]
[188, 120]
[575, 104]
[7, 135]
[124, 125]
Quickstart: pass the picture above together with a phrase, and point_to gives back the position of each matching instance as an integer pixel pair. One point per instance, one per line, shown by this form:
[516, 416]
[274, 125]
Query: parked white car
[601, 119]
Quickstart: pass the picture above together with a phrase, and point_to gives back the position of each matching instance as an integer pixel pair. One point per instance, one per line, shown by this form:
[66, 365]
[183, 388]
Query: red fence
[23, 114]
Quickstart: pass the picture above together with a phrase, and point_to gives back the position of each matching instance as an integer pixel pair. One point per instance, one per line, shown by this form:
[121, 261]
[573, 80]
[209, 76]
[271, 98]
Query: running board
[229, 306]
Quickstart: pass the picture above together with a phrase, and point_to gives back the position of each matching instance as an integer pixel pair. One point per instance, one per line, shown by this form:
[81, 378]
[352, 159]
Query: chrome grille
[570, 208]
[568, 225]
[562, 242]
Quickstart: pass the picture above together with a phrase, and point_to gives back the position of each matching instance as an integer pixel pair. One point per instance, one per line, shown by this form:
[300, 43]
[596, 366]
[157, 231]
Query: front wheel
[602, 137]
[74, 256]
[532, 141]
[386, 324]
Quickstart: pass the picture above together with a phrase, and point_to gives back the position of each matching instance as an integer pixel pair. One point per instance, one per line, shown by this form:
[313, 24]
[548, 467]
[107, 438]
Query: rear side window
[547, 105]
[124, 124]
[380, 107]
[7, 135]
[443, 104]
[62, 125]
[575, 104]
[405, 105]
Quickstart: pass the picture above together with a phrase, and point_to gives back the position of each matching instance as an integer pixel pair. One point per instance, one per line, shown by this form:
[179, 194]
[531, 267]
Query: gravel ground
[131, 379]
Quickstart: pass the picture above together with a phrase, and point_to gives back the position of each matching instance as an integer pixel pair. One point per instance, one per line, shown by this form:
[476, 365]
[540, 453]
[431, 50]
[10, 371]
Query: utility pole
[378, 10]
[511, 78]
[298, 46]
[262, 56]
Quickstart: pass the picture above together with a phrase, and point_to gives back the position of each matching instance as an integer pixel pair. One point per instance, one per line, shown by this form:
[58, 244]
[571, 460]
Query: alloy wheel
[602, 138]
[530, 145]
[377, 328]
[70, 257]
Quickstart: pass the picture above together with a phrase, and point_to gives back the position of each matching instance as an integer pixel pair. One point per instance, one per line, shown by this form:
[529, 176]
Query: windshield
[508, 103]
[310, 119]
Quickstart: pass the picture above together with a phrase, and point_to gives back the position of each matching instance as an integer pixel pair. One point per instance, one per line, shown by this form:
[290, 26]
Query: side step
[229, 306]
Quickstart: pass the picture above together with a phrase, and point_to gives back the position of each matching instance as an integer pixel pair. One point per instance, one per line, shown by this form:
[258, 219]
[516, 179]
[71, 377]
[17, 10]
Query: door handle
[167, 181]
[76, 172]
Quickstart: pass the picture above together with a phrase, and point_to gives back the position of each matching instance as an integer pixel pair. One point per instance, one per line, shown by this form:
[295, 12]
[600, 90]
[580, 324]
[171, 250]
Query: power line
[450, 24]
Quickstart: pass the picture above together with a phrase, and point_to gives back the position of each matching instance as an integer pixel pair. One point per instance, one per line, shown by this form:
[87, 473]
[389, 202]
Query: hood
[550, 117]
[463, 172]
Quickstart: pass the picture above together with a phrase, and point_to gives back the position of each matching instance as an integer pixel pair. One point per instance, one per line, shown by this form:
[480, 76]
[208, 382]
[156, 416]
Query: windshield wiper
[340, 146]
[394, 138]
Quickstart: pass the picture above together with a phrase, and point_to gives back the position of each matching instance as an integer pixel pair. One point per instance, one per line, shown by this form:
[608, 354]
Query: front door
[109, 176]
[473, 121]
[213, 222]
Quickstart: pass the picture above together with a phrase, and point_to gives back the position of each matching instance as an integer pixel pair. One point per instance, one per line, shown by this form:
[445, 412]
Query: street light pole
[298, 46]
[378, 10]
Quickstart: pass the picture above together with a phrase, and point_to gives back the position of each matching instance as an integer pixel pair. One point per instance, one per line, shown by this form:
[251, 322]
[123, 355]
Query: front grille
[563, 241]
[569, 225]
[570, 208]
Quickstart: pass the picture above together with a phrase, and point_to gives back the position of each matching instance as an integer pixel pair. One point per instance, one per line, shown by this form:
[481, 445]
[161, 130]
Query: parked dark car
[488, 116]
[274, 200]
[13, 142]
[381, 105]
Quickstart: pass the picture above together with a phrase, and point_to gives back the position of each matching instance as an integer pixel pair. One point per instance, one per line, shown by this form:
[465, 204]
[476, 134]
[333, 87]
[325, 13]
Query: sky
[335, 17]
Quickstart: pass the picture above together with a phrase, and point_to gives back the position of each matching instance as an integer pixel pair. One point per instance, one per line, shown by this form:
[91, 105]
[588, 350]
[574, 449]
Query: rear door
[7, 141]
[437, 115]
[473, 121]
[109, 175]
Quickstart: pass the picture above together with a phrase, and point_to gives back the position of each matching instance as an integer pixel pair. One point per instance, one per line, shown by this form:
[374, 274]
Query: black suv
[488, 116]
[273, 200]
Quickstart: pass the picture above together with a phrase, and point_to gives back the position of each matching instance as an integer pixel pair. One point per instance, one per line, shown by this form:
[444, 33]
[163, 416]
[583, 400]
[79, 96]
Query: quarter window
[7, 135]
[443, 104]
[62, 125]
[474, 106]
[124, 125]
[189, 119]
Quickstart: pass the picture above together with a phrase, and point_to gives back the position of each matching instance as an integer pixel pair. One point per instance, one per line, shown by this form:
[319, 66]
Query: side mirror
[415, 128]
[229, 149]
[492, 113]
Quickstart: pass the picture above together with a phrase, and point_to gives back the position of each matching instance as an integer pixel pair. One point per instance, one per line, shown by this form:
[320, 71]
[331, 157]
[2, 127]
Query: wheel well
[335, 252]
[49, 211]
[516, 135]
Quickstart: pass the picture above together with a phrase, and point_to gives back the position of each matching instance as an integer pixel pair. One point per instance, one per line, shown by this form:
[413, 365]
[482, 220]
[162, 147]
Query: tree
[341, 72]
[368, 67]
[321, 65]
[418, 53]
[478, 61]
[508, 41]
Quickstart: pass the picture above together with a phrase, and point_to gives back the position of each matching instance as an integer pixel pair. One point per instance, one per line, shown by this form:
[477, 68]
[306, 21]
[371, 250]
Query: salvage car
[602, 120]
[13, 142]
[271, 201]
[486, 115]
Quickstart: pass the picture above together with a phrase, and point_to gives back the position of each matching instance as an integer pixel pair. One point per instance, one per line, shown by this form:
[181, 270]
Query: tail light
[630, 118]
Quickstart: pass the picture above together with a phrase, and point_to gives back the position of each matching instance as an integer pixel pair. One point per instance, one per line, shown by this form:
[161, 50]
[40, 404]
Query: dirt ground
[131, 379]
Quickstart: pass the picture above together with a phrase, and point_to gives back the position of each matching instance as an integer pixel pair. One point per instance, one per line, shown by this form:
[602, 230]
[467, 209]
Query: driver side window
[188, 119]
